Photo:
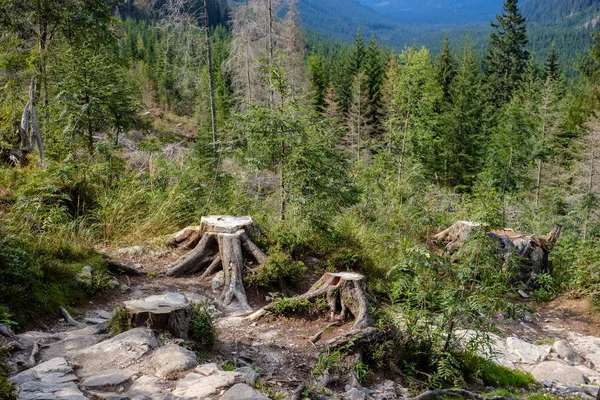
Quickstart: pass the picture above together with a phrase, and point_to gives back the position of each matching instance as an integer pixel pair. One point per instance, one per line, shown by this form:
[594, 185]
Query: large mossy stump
[533, 249]
[346, 293]
[170, 312]
[220, 242]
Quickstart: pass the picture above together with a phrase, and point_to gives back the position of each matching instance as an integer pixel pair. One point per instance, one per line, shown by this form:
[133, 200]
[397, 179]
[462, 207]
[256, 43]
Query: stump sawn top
[225, 223]
[158, 304]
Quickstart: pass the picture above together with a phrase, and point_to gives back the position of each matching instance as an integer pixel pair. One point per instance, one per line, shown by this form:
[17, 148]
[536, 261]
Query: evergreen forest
[125, 121]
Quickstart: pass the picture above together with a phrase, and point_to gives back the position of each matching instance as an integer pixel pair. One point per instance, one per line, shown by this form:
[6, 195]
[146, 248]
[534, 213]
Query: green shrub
[202, 327]
[279, 269]
[292, 305]
[496, 375]
[8, 390]
[119, 322]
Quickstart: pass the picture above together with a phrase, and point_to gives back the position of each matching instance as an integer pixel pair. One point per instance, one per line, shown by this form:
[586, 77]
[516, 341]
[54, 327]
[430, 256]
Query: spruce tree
[552, 64]
[507, 56]
[374, 77]
[357, 56]
[445, 68]
[318, 79]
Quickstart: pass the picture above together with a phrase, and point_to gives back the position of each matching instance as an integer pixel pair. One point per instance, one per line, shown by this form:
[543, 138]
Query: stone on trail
[120, 351]
[566, 352]
[148, 388]
[527, 352]
[206, 380]
[241, 391]
[555, 371]
[112, 379]
[50, 391]
[171, 359]
[56, 371]
[249, 375]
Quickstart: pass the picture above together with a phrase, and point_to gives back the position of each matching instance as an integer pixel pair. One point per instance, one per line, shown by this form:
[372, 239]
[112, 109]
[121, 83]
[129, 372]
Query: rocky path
[559, 347]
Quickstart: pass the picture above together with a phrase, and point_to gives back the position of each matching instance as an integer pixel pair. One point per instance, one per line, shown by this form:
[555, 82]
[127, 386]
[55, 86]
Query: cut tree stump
[219, 242]
[533, 248]
[346, 293]
[170, 312]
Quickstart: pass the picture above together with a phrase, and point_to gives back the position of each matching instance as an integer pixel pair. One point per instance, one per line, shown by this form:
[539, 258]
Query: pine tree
[319, 80]
[462, 142]
[358, 122]
[445, 68]
[552, 64]
[507, 56]
[357, 55]
[374, 77]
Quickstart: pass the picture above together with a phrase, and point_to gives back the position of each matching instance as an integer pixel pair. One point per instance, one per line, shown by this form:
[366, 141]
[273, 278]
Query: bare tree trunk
[270, 45]
[211, 81]
[590, 191]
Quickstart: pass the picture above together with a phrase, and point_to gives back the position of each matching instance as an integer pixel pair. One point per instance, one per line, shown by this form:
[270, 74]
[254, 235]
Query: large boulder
[172, 359]
[554, 371]
[51, 380]
[241, 391]
[566, 352]
[206, 380]
[119, 352]
[527, 352]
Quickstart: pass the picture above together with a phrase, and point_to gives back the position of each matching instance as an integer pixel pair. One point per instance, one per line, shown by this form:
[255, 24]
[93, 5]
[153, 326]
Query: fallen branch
[434, 394]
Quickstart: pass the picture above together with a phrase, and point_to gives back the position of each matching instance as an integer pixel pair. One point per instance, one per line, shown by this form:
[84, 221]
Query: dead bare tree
[30, 129]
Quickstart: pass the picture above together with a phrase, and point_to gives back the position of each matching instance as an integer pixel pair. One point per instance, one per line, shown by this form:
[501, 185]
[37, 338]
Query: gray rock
[589, 375]
[85, 275]
[206, 380]
[171, 359]
[527, 352]
[218, 280]
[249, 376]
[111, 379]
[241, 391]
[566, 352]
[148, 388]
[354, 394]
[385, 391]
[118, 352]
[124, 288]
[557, 372]
[104, 314]
[94, 321]
[106, 395]
[56, 371]
[592, 390]
[50, 391]
[131, 251]
[114, 283]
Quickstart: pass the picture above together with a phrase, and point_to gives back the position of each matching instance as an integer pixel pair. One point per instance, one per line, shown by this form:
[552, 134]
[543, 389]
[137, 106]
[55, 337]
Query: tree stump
[532, 248]
[170, 312]
[219, 241]
[346, 293]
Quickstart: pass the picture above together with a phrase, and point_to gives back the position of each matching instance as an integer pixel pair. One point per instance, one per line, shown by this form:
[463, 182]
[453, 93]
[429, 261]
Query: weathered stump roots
[219, 242]
[346, 293]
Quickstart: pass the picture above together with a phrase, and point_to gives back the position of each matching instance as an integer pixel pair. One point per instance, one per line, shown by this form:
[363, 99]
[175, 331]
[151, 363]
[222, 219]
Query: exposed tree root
[70, 320]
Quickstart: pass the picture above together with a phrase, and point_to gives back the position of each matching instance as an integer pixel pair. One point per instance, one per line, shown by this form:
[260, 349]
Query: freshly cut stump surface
[220, 242]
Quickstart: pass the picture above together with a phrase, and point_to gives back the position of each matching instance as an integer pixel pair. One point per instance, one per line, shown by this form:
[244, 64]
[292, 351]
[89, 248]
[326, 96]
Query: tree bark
[213, 110]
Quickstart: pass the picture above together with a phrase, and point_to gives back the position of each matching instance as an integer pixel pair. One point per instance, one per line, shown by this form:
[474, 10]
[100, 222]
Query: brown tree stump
[346, 293]
[532, 248]
[219, 242]
[170, 312]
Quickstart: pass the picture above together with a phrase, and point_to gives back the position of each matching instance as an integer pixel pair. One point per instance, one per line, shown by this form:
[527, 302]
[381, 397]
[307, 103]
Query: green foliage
[119, 322]
[496, 375]
[8, 390]
[280, 268]
[202, 326]
[288, 306]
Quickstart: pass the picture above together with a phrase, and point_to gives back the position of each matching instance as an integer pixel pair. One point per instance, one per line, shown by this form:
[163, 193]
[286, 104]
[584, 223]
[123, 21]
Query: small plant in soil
[292, 305]
[119, 322]
[202, 325]
[227, 366]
